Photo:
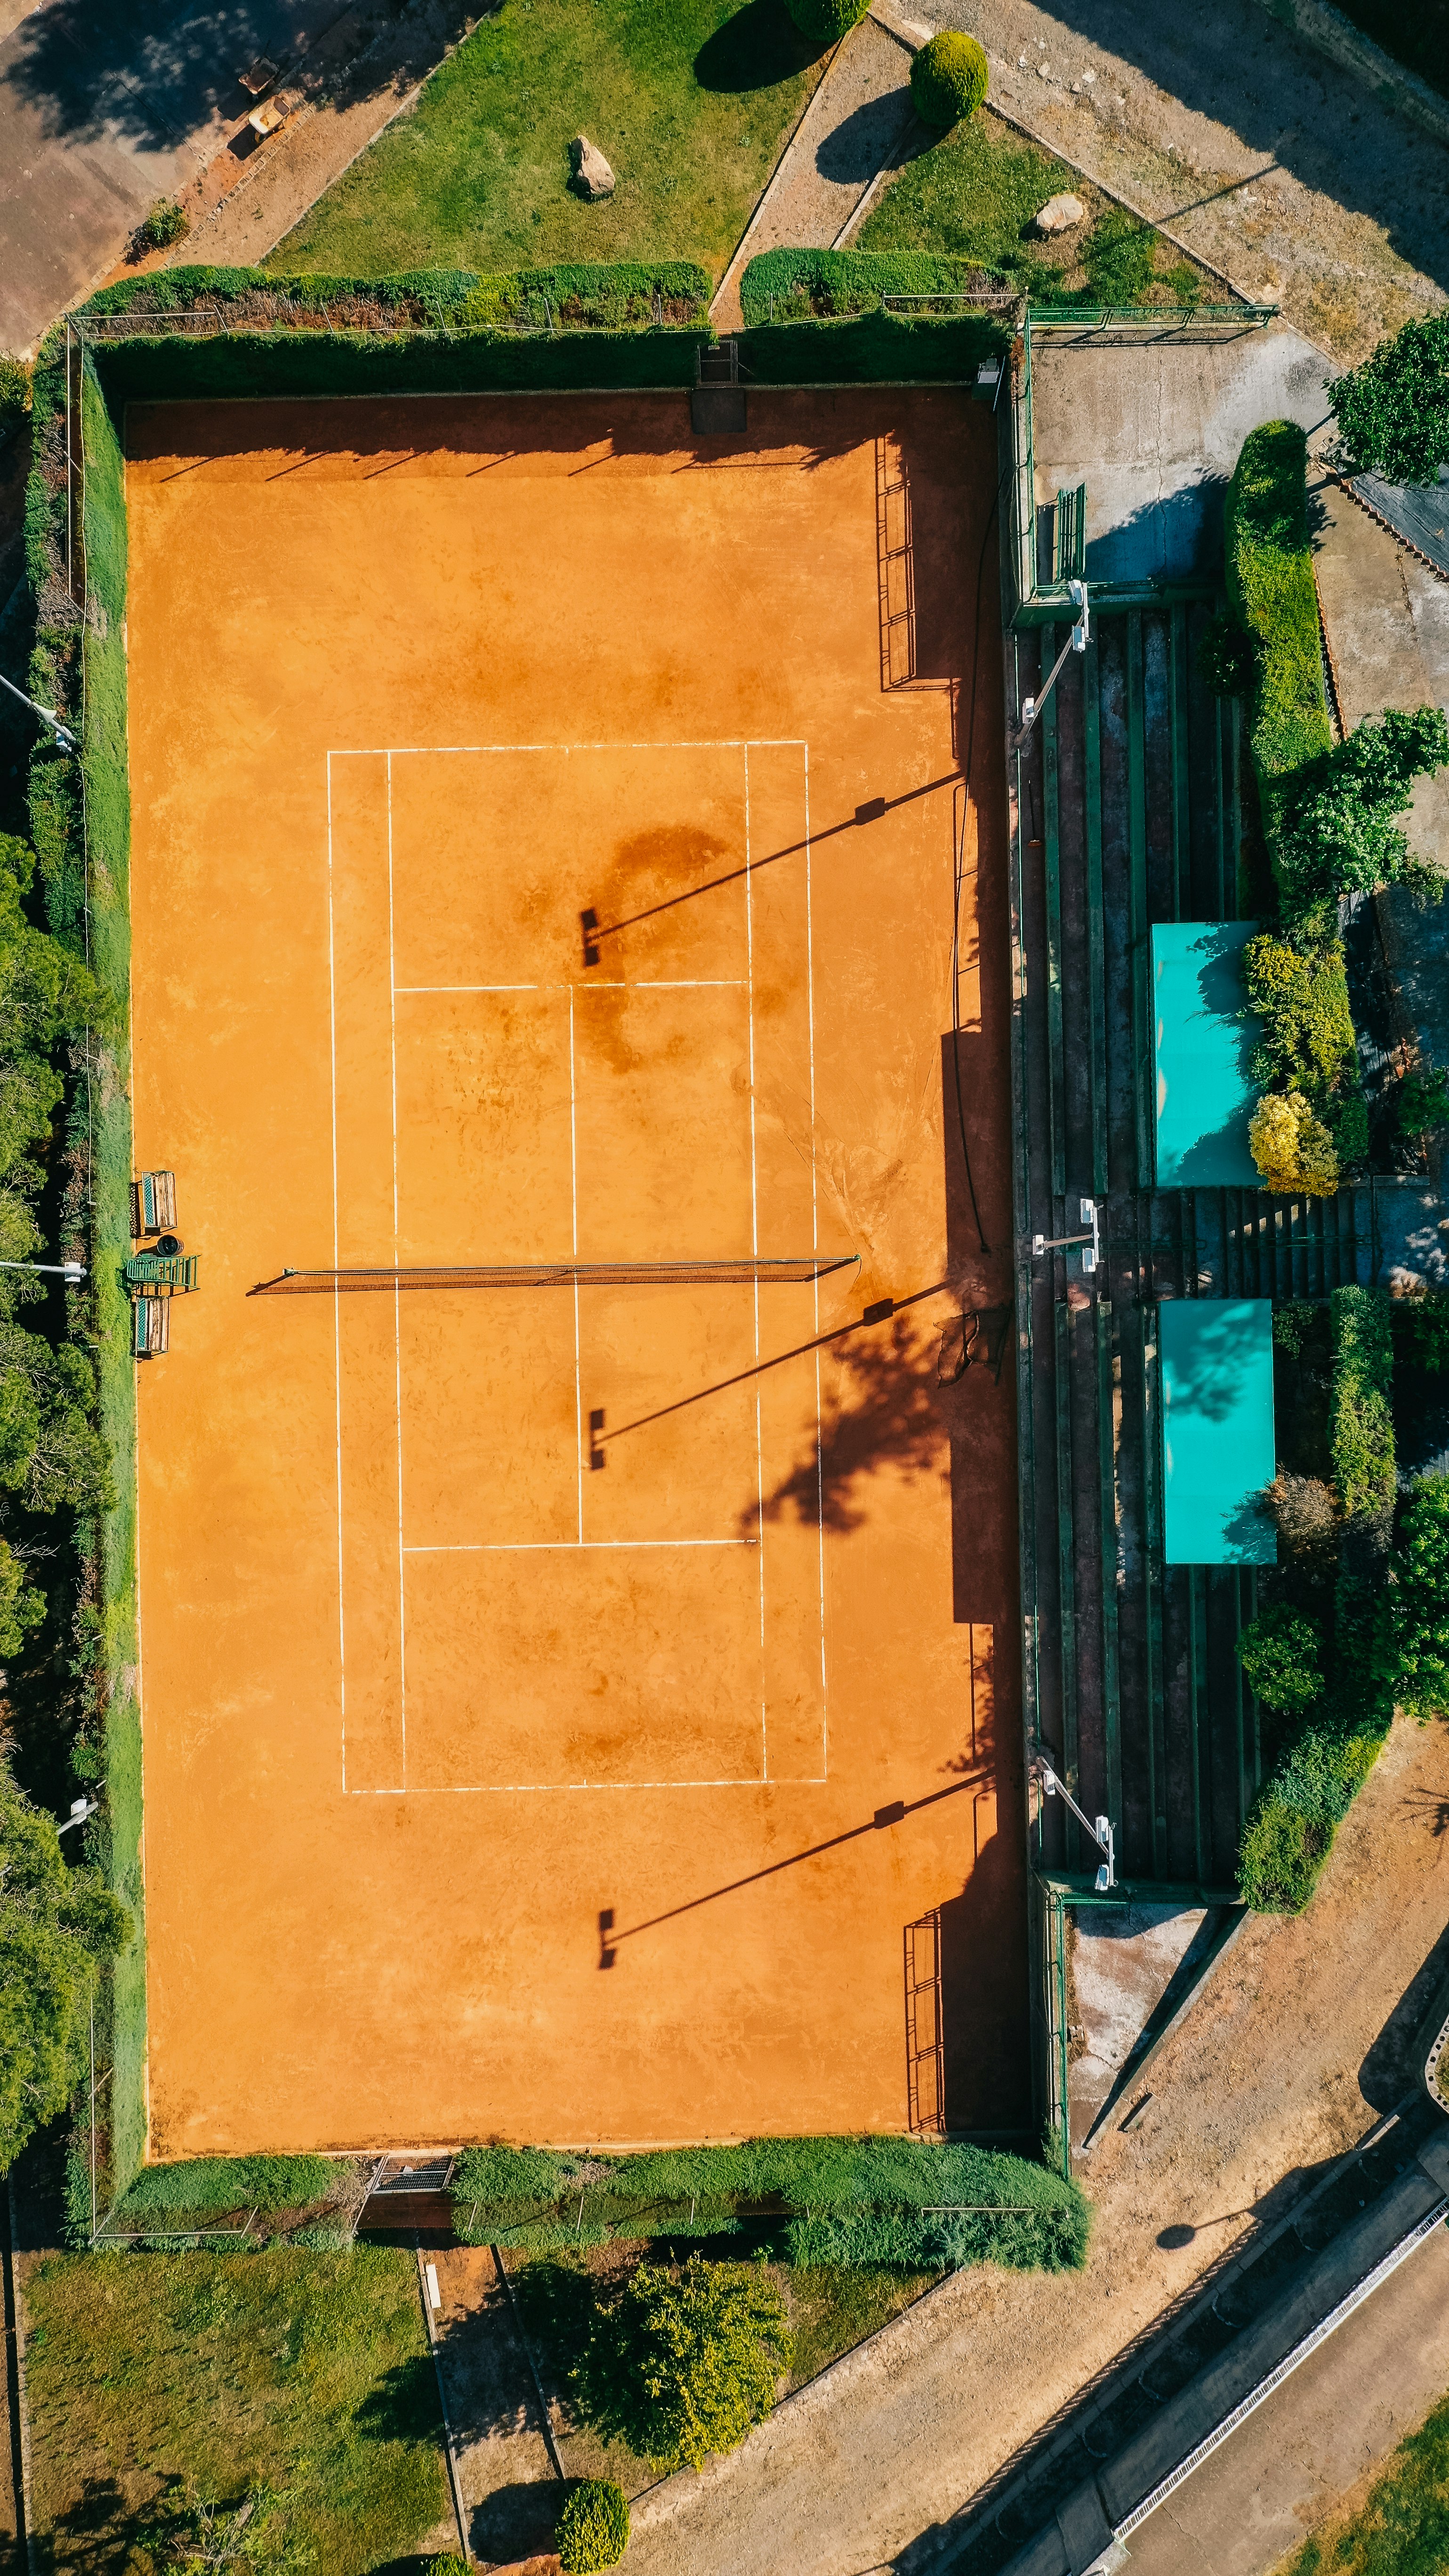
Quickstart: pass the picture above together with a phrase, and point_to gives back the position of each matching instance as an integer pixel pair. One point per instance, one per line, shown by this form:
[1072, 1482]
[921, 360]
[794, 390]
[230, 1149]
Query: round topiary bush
[593, 2528]
[826, 21]
[948, 78]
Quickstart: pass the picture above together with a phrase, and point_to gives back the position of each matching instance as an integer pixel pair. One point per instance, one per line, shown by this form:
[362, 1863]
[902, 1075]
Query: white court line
[567, 1788]
[402, 1633]
[337, 1298]
[459, 750]
[600, 984]
[755, 1250]
[815, 1247]
[565, 1546]
[578, 1356]
[389, 752]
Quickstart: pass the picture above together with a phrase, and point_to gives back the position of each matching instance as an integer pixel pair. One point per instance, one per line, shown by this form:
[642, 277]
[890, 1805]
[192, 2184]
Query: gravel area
[1261, 156]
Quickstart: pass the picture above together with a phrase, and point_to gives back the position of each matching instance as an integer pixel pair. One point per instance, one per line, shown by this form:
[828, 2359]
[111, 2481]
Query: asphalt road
[1327, 2427]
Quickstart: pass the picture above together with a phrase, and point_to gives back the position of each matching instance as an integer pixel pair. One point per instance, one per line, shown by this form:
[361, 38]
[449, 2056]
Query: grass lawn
[829, 2307]
[973, 196]
[309, 2371]
[689, 100]
[1403, 2529]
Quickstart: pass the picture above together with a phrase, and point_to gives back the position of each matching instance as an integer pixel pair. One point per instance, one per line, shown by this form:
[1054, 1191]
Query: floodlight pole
[1076, 643]
[1100, 1830]
[1091, 1241]
[61, 731]
[81, 1810]
[72, 1272]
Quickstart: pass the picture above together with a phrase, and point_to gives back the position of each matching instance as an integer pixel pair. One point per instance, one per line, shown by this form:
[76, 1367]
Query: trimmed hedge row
[848, 2201]
[818, 283]
[1361, 1420]
[581, 295]
[1302, 989]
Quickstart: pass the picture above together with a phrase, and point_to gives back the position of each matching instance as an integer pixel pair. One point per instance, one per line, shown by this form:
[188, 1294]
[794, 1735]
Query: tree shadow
[403, 2407]
[755, 49]
[882, 1416]
[516, 2524]
[853, 151]
[1394, 2065]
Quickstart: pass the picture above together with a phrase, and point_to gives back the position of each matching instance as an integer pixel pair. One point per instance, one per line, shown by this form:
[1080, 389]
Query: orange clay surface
[557, 1703]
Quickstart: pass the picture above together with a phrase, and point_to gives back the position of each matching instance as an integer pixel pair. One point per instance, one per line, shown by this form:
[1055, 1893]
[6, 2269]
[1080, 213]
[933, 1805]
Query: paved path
[102, 110]
[1264, 158]
[506, 2471]
[1288, 2060]
[1326, 2430]
[858, 122]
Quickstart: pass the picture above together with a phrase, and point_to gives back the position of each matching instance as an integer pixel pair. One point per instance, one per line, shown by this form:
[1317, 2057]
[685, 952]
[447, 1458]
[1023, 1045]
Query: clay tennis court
[563, 1695]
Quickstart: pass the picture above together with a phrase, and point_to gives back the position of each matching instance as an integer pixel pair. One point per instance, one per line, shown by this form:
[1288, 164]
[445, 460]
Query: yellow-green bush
[1291, 1147]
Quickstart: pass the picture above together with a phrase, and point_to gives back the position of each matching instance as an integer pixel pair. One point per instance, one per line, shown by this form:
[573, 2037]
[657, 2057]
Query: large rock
[592, 174]
[1060, 215]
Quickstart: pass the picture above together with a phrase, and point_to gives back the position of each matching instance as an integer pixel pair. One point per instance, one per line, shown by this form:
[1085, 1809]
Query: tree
[21, 1606]
[1292, 1149]
[50, 1452]
[1339, 830]
[678, 2367]
[1279, 1653]
[56, 1926]
[1393, 411]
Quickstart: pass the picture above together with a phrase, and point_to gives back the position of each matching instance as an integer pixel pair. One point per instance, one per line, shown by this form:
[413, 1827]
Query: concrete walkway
[1261, 156]
[858, 123]
[1326, 2429]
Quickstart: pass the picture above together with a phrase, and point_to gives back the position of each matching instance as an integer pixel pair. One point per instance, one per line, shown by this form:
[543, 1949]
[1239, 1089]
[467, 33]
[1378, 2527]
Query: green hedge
[1421, 1600]
[579, 296]
[1270, 584]
[786, 285]
[1361, 1418]
[872, 348]
[826, 2200]
[213, 2186]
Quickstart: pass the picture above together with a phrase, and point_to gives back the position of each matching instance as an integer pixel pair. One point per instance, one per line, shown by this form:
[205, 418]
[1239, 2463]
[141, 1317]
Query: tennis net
[563, 1274]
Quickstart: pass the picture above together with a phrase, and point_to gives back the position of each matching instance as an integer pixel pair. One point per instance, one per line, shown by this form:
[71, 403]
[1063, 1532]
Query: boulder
[1060, 215]
[592, 174]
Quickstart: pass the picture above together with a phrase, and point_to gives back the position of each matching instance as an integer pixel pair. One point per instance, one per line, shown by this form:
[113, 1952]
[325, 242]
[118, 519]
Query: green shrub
[1393, 411]
[680, 2367]
[448, 2563]
[14, 392]
[1421, 1332]
[1361, 1422]
[1291, 1147]
[1279, 1859]
[948, 79]
[593, 2528]
[1421, 1599]
[826, 21]
[780, 286]
[1307, 1043]
[1423, 1102]
[1337, 826]
[1281, 1655]
[1225, 657]
[166, 223]
[1293, 1323]
[1270, 586]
